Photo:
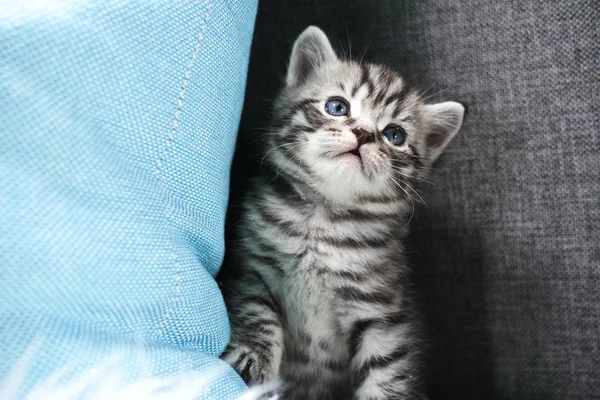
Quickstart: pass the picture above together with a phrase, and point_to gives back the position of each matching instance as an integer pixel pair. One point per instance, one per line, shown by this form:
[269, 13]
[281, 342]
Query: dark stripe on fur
[259, 327]
[293, 109]
[313, 116]
[354, 215]
[305, 338]
[379, 362]
[256, 299]
[267, 261]
[325, 346]
[240, 360]
[397, 97]
[379, 97]
[245, 373]
[282, 188]
[294, 353]
[349, 275]
[288, 227]
[377, 199]
[395, 319]
[361, 326]
[358, 330]
[350, 122]
[258, 276]
[349, 293]
[364, 78]
[416, 156]
[354, 243]
[334, 365]
[370, 89]
[296, 129]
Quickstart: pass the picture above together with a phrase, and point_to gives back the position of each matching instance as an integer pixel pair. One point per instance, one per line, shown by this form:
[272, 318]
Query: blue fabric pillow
[118, 125]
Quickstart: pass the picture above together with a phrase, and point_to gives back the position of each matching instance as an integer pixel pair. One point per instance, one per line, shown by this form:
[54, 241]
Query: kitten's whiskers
[280, 170]
[275, 148]
[349, 43]
[363, 54]
[416, 178]
[411, 188]
[391, 177]
[434, 94]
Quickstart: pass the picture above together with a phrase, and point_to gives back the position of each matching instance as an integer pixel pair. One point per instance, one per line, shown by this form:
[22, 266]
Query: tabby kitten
[319, 298]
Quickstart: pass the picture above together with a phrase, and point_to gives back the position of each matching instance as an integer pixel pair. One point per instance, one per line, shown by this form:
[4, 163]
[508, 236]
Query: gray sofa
[506, 255]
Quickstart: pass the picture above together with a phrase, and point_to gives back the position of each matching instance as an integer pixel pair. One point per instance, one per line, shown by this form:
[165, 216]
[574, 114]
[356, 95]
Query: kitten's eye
[395, 135]
[337, 107]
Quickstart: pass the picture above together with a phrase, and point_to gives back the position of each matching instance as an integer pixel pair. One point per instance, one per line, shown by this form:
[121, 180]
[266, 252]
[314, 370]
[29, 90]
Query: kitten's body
[329, 272]
[319, 298]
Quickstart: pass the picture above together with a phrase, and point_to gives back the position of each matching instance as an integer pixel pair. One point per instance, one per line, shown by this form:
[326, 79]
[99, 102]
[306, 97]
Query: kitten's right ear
[444, 119]
[311, 50]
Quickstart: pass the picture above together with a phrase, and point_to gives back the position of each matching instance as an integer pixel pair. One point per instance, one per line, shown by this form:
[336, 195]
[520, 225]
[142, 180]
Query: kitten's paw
[252, 367]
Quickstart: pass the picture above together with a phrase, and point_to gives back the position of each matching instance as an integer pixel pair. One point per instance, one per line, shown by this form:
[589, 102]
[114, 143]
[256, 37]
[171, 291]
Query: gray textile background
[507, 253]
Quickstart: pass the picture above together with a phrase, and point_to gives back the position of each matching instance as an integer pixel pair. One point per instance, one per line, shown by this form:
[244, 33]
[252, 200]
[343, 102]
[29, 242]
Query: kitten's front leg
[383, 358]
[255, 349]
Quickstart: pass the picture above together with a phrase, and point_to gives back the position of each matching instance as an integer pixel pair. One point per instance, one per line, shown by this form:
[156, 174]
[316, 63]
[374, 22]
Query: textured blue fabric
[117, 128]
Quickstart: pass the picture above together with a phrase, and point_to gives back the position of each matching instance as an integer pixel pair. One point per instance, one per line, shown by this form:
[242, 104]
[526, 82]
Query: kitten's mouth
[353, 155]
[355, 152]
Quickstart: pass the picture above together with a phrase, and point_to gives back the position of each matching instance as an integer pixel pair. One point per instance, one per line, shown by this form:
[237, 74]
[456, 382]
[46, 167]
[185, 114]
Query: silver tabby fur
[319, 298]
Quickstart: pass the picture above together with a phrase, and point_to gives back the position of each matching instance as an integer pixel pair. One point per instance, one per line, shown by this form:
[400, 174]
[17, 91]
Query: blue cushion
[118, 125]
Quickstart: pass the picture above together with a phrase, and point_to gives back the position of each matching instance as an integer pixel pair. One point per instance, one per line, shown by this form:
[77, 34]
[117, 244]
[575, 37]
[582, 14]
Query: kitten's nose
[363, 136]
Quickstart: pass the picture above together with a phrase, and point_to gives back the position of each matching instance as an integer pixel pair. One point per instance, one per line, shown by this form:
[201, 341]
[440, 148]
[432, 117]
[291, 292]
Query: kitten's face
[352, 131]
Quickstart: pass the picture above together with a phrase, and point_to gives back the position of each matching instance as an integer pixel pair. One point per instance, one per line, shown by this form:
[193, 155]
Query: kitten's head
[349, 131]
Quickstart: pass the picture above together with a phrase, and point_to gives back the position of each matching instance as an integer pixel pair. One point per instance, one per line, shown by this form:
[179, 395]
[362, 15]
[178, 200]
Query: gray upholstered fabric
[507, 253]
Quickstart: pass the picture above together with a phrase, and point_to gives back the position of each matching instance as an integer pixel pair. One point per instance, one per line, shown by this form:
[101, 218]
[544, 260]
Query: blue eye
[395, 135]
[337, 108]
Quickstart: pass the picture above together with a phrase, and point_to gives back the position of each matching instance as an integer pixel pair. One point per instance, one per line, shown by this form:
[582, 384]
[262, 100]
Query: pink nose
[363, 136]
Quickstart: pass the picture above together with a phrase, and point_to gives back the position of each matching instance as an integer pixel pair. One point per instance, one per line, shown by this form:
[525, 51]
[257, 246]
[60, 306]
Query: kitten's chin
[351, 159]
[347, 176]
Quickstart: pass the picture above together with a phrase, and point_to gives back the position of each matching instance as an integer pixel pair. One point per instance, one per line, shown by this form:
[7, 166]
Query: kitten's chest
[305, 290]
[312, 310]
[317, 259]
[321, 249]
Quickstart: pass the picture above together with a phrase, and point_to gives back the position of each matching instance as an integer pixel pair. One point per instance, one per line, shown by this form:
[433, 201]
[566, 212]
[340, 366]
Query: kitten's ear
[444, 120]
[311, 50]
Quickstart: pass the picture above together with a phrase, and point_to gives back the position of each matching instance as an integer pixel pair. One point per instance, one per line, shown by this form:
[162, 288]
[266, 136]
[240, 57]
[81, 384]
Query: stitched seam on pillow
[160, 159]
[181, 98]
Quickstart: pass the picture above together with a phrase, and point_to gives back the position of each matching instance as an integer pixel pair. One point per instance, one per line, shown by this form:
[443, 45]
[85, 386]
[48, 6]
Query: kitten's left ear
[444, 120]
[311, 50]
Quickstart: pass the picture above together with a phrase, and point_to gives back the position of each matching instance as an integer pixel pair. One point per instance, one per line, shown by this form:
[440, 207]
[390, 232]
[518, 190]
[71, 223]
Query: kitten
[319, 299]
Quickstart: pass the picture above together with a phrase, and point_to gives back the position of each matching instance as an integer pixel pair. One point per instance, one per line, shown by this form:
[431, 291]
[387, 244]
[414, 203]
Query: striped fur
[319, 298]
